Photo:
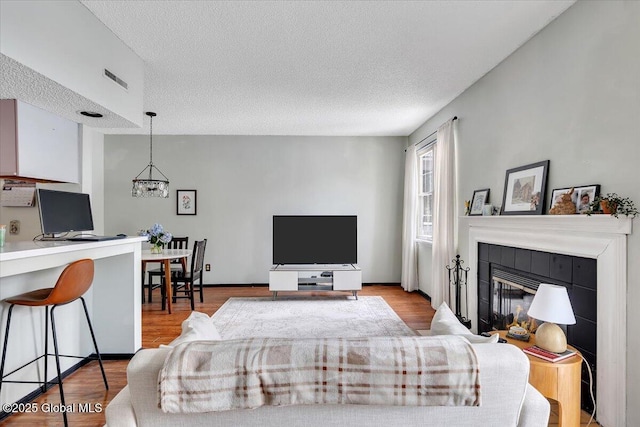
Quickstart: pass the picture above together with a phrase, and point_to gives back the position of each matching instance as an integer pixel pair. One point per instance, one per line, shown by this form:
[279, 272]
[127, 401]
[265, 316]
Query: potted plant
[614, 205]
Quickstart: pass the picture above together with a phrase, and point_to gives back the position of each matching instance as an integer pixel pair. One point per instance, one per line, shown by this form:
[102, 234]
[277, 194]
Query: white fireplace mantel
[570, 223]
[601, 237]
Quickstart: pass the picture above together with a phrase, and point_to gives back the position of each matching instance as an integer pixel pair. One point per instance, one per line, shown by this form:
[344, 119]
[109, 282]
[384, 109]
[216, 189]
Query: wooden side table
[559, 381]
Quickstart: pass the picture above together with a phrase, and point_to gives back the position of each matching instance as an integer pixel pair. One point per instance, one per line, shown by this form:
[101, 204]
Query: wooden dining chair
[176, 266]
[185, 282]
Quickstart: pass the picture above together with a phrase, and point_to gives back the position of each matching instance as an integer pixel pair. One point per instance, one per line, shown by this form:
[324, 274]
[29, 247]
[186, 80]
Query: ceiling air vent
[115, 78]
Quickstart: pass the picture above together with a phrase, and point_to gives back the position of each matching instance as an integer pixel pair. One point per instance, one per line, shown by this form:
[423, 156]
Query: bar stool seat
[73, 282]
[33, 299]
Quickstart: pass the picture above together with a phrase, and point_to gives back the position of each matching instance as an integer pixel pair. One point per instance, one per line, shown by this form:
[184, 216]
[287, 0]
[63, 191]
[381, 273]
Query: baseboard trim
[424, 295]
[236, 285]
[256, 285]
[113, 356]
[382, 284]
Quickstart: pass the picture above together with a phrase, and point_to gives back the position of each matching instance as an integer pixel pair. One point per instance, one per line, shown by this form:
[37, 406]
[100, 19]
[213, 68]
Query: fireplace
[509, 278]
[600, 239]
[510, 302]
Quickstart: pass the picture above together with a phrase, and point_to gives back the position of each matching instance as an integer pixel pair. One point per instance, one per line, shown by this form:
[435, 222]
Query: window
[425, 193]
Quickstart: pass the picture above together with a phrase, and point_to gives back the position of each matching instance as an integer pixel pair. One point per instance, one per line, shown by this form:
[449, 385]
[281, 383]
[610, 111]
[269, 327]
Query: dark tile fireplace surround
[528, 268]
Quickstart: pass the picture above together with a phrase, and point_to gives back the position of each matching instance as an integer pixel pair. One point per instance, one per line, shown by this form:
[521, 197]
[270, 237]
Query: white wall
[242, 181]
[93, 174]
[571, 95]
[424, 267]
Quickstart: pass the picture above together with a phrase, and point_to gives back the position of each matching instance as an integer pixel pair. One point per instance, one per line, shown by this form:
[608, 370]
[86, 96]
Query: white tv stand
[315, 277]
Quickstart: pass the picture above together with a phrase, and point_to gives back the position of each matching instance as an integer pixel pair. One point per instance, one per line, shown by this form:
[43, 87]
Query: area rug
[368, 316]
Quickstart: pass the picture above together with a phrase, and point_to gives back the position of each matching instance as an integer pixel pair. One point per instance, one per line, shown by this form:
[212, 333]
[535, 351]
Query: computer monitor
[62, 211]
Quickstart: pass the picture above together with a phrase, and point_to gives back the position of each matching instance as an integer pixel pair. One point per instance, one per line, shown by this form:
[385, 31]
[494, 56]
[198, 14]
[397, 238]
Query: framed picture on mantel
[187, 202]
[480, 197]
[582, 196]
[525, 189]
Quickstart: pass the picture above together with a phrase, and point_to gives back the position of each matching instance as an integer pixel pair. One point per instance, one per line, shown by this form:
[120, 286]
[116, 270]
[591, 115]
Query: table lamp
[551, 305]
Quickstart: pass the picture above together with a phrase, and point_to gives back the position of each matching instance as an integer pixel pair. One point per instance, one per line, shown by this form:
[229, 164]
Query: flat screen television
[62, 211]
[315, 239]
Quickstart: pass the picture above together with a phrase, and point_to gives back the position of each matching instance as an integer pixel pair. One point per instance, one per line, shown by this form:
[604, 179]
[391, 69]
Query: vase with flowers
[158, 237]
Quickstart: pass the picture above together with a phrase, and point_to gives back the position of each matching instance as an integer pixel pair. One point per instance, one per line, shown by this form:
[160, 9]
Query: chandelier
[147, 186]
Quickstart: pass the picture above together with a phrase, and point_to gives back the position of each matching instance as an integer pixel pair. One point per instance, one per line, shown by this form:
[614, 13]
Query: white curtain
[409, 279]
[444, 213]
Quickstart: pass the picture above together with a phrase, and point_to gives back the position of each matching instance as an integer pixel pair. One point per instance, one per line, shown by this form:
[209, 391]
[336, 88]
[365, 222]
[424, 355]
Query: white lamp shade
[551, 304]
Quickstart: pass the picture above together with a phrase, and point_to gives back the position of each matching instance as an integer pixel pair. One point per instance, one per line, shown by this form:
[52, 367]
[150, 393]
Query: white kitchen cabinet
[37, 144]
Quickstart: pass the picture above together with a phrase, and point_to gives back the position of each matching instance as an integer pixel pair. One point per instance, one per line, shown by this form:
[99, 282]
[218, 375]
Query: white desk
[165, 257]
[113, 302]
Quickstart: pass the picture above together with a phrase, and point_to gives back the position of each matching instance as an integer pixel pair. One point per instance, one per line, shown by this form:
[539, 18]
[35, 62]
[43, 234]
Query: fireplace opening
[511, 302]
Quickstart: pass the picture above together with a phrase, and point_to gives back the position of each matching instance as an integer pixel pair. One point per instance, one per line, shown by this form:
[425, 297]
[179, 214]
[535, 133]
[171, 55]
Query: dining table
[165, 257]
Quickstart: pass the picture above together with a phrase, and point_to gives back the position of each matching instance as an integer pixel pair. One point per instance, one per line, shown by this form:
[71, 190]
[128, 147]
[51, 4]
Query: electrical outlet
[207, 267]
[14, 227]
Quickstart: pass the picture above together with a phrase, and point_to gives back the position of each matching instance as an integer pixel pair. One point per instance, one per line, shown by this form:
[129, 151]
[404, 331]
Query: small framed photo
[582, 196]
[187, 202]
[524, 189]
[480, 197]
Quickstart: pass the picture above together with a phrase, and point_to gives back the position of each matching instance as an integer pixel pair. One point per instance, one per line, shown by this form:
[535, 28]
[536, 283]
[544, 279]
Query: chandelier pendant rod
[150, 187]
[151, 115]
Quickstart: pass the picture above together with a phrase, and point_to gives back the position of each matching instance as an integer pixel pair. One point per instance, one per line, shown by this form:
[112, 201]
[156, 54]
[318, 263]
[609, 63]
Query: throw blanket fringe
[206, 376]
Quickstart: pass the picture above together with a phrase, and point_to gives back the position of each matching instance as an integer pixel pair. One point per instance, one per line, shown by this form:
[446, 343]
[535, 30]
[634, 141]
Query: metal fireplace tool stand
[458, 279]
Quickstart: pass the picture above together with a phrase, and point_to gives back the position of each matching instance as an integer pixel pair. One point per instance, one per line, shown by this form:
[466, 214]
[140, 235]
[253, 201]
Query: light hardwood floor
[158, 327]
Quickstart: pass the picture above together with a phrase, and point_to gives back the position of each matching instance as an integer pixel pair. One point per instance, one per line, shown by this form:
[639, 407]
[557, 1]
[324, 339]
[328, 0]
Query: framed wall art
[186, 202]
[582, 196]
[524, 189]
[480, 197]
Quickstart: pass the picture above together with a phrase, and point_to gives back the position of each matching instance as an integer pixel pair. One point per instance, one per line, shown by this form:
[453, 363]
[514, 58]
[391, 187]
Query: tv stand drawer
[347, 280]
[283, 280]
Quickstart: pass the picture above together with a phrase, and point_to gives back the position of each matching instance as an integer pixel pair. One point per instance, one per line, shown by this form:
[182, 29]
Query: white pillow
[197, 327]
[446, 323]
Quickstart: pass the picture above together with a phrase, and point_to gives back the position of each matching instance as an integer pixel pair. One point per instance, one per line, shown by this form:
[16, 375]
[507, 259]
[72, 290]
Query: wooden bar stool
[73, 282]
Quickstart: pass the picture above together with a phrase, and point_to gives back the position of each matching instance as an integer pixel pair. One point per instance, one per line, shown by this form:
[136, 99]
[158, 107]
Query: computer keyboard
[93, 238]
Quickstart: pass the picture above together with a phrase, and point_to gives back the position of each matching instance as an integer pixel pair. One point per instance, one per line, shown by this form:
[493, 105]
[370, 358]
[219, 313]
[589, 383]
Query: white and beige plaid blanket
[206, 376]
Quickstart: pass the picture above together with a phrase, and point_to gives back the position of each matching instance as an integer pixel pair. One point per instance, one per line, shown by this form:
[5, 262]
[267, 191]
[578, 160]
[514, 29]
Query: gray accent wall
[242, 181]
[571, 95]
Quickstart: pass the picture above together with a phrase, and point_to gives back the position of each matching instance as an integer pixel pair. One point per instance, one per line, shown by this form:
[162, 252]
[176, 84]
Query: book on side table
[548, 355]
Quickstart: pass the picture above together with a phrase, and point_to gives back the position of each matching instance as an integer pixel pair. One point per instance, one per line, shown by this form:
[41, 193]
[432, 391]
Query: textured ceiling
[23, 83]
[316, 67]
